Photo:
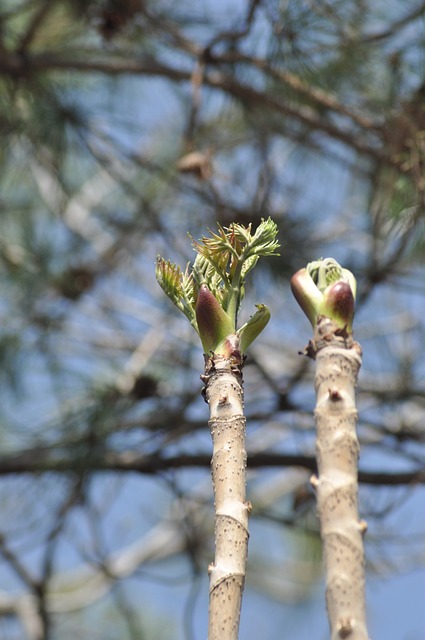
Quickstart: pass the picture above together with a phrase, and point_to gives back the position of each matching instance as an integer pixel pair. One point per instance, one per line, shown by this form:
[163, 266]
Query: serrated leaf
[177, 287]
[205, 272]
[168, 276]
[188, 287]
[249, 264]
[263, 242]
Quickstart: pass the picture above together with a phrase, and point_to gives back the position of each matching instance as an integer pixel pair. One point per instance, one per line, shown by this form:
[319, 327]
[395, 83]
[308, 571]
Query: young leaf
[177, 286]
[211, 292]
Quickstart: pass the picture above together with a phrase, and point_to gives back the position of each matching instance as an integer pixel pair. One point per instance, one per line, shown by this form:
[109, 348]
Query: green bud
[251, 329]
[214, 325]
[307, 294]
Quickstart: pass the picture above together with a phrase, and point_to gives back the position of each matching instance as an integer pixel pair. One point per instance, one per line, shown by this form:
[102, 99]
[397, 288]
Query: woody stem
[224, 394]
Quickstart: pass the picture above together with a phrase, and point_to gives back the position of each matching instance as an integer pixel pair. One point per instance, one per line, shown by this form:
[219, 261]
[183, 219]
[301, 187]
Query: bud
[253, 327]
[324, 288]
[214, 325]
[307, 294]
[339, 304]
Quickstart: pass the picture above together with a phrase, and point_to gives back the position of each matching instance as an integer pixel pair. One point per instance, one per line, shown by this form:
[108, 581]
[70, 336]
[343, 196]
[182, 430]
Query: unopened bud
[214, 324]
[253, 327]
[339, 304]
[324, 288]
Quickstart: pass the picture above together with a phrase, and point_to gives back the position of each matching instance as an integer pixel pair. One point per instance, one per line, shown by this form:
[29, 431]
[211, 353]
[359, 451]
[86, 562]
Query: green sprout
[324, 288]
[210, 292]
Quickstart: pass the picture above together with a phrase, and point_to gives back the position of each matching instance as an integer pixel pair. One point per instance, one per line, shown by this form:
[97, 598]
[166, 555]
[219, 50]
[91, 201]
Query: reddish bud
[324, 288]
[214, 324]
[339, 303]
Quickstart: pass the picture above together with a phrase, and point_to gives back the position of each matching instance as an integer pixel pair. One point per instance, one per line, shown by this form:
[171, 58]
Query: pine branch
[40, 460]
[92, 62]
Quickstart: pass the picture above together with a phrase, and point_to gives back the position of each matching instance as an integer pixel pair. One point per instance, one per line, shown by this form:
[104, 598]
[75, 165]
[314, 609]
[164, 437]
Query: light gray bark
[224, 394]
[338, 360]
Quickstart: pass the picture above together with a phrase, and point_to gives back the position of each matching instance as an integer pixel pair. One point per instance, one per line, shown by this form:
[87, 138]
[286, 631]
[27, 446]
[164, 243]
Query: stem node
[334, 395]
[363, 527]
[314, 481]
[345, 628]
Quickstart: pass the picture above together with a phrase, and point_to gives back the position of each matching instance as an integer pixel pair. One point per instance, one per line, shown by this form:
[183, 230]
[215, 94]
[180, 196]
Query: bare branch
[36, 461]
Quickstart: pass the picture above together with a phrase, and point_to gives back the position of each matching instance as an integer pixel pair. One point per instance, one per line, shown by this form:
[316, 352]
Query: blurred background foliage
[124, 125]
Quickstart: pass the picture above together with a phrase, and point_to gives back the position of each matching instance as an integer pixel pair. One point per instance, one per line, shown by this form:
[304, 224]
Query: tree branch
[17, 65]
[36, 461]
